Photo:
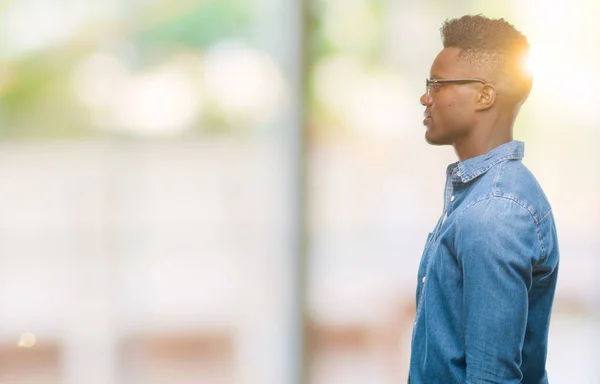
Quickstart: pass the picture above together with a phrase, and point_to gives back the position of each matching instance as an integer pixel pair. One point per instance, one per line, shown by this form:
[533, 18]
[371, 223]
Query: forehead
[448, 64]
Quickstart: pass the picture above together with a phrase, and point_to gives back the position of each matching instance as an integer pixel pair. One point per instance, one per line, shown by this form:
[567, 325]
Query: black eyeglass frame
[436, 82]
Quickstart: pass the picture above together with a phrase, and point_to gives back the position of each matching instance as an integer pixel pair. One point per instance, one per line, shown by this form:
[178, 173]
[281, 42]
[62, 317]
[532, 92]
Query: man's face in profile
[449, 108]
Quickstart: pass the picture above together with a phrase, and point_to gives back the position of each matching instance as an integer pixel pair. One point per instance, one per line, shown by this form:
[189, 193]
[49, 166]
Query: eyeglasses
[435, 83]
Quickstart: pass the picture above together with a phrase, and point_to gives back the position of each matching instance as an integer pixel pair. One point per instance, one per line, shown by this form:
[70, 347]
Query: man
[488, 272]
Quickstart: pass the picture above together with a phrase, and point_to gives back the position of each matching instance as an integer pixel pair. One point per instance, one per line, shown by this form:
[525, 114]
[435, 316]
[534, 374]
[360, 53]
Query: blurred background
[238, 191]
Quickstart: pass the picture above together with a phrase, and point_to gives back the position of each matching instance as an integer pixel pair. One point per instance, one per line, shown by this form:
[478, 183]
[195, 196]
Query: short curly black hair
[491, 44]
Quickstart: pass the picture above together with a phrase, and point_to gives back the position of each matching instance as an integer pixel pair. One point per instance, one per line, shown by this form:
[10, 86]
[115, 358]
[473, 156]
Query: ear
[486, 97]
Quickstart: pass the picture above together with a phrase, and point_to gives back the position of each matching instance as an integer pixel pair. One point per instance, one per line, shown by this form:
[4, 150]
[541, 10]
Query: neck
[469, 150]
[484, 137]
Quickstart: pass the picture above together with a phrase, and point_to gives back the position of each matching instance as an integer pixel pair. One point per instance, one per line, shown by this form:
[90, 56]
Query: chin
[434, 143]
[432, 140]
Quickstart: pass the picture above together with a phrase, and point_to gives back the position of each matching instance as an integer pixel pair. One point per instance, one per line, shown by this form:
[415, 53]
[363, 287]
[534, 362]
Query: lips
[427, 119]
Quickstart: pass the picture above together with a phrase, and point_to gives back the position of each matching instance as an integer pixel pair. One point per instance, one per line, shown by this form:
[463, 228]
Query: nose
[425, 101]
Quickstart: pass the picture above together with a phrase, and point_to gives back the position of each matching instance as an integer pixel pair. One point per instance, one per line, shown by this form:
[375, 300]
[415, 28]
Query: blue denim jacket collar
[467, 170]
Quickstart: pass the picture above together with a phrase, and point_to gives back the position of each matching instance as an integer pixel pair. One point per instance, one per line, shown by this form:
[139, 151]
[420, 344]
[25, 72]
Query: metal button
[458, 174]
[423, 279]
[452, 198]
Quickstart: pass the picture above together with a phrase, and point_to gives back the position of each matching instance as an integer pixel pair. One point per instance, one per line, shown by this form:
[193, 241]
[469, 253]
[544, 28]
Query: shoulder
[494, 209]
[500, 223]
[514, 181]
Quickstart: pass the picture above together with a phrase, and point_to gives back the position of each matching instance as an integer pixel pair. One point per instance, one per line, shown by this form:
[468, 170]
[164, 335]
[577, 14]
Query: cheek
[443, 110]
[445, 102]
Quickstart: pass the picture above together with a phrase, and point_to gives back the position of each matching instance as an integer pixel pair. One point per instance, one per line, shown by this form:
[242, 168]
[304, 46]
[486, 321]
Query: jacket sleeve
[497, 247]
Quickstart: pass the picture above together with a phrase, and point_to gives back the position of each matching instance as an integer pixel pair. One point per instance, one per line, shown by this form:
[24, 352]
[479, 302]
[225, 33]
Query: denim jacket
[487, 277]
